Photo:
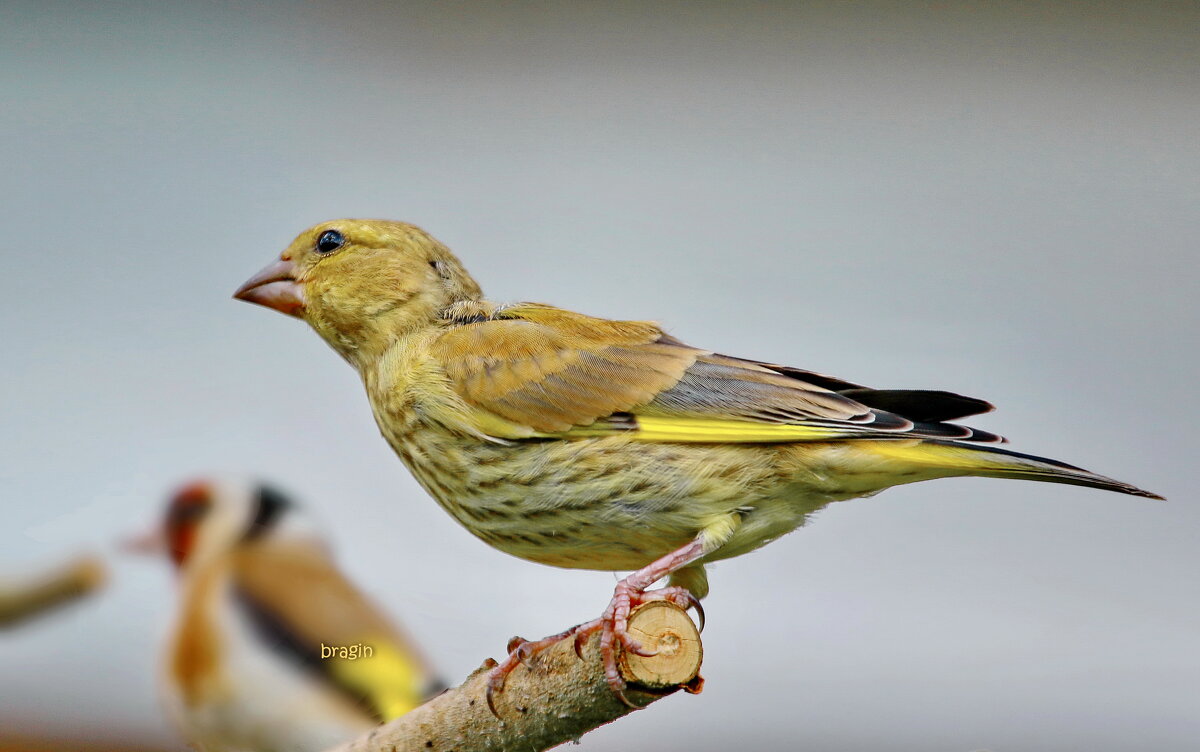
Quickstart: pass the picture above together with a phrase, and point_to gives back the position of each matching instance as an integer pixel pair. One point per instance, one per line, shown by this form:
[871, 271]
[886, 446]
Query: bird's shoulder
[475, 328]
[548, 368]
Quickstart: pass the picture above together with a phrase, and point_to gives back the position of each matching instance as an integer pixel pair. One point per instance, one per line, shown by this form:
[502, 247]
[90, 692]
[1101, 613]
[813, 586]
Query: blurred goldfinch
[597, 444]
[273, 649]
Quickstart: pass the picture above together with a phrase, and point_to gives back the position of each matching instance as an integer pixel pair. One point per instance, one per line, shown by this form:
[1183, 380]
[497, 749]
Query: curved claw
[694, 603]
[635, 647]
[620, 693]
[491, 689]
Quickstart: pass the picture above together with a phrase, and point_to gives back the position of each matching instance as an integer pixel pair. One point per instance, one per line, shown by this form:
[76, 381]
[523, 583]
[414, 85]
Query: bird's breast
[596, 503]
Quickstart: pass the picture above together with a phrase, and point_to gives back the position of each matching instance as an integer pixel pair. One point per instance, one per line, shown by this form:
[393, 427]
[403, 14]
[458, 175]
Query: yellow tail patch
[940, 455]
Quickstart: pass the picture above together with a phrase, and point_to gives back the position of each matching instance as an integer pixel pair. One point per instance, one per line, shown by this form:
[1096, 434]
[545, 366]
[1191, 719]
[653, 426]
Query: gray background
[995, 199]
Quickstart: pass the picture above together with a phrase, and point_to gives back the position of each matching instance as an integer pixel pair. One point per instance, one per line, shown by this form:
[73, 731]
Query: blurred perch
[554, 699]
[27, 597]
[94, 740]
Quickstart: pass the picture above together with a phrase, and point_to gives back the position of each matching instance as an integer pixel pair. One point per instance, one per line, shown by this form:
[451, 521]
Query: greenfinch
[273, 649]
[590, 443]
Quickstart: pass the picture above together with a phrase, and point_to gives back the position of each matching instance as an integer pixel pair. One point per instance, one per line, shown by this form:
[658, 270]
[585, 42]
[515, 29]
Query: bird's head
[209, 518]
[360, 283]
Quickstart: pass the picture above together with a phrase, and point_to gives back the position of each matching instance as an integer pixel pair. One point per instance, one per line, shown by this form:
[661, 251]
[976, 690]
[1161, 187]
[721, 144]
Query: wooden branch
[21, 600]
[554, 699]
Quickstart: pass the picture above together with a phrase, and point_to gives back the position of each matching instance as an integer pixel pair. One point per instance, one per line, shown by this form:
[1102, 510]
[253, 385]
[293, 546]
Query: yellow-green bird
[596, 444]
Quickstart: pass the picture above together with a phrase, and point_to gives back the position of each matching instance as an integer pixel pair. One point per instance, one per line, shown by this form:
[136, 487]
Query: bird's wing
[305, 609]
[535, 371]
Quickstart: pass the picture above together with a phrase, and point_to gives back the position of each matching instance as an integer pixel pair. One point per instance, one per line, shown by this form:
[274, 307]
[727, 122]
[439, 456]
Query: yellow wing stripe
[390, 678]
[657, 428]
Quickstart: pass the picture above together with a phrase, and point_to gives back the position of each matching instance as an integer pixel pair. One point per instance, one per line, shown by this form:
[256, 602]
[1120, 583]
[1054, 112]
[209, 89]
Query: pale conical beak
[147, 543]
[275, 287]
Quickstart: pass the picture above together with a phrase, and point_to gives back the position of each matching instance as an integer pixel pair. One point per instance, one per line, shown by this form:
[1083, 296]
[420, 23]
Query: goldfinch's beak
[149, 543]
[275, 287]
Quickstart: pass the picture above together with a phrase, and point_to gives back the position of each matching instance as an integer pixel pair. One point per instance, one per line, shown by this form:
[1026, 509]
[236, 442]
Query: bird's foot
[614, 623]
[613, 628]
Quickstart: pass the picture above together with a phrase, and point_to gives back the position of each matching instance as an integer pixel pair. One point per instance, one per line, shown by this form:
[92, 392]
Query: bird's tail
[953, 458]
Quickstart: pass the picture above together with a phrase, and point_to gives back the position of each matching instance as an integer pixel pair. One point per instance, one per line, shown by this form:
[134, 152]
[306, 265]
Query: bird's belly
[609, 503]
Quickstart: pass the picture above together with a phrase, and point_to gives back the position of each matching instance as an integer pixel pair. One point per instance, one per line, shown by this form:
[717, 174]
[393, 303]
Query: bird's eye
[330, 241]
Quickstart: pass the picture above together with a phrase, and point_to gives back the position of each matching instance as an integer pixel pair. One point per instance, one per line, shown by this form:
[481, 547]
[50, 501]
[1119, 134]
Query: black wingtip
[920, 405]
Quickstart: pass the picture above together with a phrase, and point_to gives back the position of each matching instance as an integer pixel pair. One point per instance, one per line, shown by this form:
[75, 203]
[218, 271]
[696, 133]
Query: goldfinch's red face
[188, 508]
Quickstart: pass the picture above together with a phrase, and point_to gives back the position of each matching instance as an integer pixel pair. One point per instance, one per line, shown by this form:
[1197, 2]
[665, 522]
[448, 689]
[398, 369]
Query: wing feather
[562, 374]
[300, 601]
[554, 370]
